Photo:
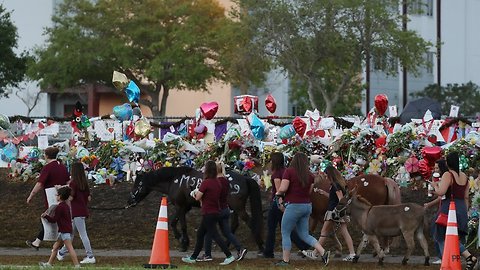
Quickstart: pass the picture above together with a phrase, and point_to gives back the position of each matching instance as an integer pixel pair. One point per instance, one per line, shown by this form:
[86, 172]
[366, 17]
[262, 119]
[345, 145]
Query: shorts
[332, 215]
[64, 236]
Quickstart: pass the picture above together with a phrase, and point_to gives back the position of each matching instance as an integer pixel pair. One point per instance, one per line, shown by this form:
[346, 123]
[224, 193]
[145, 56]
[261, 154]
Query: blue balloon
[133, 92]
[123, 112]
[287, 132]
[10, 152]
[257, 127]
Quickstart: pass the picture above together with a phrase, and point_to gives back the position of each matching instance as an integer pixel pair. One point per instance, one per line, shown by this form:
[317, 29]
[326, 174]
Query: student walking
[63, 219]
[79, 199]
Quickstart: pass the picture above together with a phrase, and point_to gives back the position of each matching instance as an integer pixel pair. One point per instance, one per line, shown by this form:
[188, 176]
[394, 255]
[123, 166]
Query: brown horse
[376, 189]
[407, 219]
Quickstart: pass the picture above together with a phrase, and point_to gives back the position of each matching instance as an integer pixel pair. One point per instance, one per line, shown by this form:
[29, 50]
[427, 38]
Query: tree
[28, 96]
[466, 95]
[323, 44]
[159, 44]
[12, 67]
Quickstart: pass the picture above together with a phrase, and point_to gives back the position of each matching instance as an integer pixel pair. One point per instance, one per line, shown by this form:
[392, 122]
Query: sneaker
[241, 254]
[439, 261]
[60, 257]
[349, 258]
[188, 260]
[228, 260]
[88, 260]
[312, 254]
[326, 257]
[282, 263]
[204, 258]
[30, 244]
[44, 265]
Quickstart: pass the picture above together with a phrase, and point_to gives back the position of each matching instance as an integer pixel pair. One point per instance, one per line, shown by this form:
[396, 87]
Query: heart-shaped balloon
[247, 104]
[287, 132]
[209, 109]
[432, 138]
[270, 103]
[119, 80]
[381, 104]
[299, 125]
[142, 128]
[123, 112]
[381, 141]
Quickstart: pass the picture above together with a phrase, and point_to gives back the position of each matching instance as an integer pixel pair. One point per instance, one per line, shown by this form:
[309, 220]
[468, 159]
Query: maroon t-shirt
[224, 193]
[80, 201]
[296, 193]
[53, 173]
[211, 189]
[62, 217]
[276, 174]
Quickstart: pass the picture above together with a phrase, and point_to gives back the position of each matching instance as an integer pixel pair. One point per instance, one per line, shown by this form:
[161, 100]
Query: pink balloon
[209, 109]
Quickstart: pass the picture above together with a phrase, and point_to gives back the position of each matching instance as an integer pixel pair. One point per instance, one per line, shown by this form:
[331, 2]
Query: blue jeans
[275, 218]
[296, 218]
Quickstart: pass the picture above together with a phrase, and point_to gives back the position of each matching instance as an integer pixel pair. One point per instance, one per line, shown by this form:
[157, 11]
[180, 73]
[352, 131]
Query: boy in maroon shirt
[63, 218]
[52, 174]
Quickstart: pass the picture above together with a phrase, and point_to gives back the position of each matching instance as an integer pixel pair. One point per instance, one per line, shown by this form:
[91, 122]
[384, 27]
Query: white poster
[42, 142]
[454, 111]
[51, 229]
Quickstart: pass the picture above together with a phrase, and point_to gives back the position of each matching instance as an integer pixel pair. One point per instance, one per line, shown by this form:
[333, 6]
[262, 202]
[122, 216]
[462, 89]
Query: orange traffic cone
[451, 250]
[160, 257]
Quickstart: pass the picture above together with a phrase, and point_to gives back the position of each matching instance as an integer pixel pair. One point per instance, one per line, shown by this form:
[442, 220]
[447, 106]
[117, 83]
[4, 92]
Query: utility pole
[404, 73]
[439, 44]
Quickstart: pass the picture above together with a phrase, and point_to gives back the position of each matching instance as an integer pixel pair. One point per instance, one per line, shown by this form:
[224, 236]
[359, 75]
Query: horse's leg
[360, 248]
[423, 244]
[246, 218]
[173, 224]
[184, 240]
[312, 224]
[408, 236]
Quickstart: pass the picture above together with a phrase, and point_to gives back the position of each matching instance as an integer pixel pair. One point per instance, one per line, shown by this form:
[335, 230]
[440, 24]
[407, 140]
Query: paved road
[146, 253]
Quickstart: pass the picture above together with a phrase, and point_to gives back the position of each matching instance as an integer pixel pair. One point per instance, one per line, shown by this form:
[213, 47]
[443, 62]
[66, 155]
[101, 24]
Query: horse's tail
[256, 221]
[393, 190]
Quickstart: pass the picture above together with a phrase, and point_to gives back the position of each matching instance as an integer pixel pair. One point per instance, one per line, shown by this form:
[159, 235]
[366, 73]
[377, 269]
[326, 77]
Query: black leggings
[41, 233]
[208, 226]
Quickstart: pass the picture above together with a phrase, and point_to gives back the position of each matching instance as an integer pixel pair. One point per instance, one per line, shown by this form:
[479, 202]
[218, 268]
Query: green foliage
[324, 43]
[466, 95]
[12, 66]
[161, 45]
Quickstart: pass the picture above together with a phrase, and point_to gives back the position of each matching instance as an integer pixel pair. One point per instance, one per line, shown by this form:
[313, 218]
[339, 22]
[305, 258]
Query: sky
[30, 17]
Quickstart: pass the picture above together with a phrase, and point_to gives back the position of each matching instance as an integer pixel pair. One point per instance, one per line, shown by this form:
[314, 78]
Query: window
[429, 60]
[421, 7]
[384, 63]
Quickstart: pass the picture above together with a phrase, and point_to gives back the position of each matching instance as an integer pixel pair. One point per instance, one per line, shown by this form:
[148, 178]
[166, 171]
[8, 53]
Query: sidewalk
[174, 253]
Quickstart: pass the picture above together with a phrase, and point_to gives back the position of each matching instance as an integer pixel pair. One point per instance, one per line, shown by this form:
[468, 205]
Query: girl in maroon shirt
[63, 219]
[79, 200]
[209, 192]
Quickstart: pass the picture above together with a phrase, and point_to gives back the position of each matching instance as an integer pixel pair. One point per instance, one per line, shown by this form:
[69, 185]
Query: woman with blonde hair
[337, 191]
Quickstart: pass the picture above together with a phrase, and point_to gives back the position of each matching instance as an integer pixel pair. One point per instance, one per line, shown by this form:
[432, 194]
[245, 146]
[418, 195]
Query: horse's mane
[363, 200]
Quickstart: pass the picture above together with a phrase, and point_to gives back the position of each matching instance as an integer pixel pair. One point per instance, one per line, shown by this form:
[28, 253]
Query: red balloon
[299, 125]
[270, 103]
[209, 109]
[247, 104]
[431, 154]
[432, 138]
[381, 104]
[425, 169]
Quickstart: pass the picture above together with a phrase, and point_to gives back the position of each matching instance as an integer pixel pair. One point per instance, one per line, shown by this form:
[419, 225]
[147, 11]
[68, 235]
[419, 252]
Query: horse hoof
[355, 259]
[404, 261]
[427, 261]
[380, 262]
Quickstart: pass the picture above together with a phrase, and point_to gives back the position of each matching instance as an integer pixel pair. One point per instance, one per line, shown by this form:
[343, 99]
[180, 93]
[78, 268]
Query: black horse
[178, 182]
